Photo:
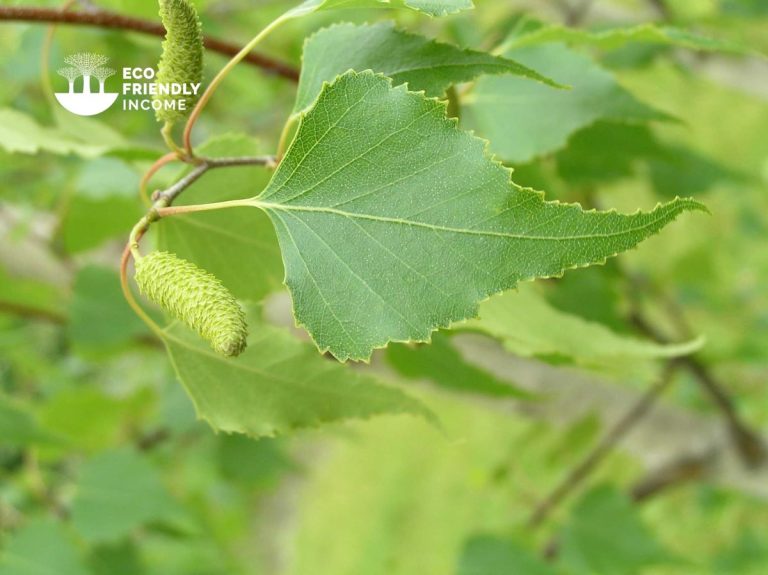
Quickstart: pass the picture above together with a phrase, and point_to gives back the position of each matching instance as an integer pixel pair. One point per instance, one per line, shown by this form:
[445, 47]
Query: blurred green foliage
[105, 468]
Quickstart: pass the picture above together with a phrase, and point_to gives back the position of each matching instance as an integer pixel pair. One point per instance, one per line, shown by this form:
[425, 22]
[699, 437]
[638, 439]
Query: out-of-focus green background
[104, 469]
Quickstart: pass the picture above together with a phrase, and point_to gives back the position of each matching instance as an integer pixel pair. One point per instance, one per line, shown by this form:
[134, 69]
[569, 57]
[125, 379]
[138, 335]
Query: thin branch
[213, 85]
[266, 161]
[152, 439]
[31, 312]
[661, 7]
[170, 194]
[205, 164]
[153, 169]
[748, 442]
[574, 13]
[683, 470]
[604, 447]
[677, 472]
[112, 20]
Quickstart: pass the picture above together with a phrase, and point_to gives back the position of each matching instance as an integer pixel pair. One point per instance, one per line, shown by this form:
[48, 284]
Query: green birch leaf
[42, 547]
[491, 555]
[79, 135]
[89, 222]
[430, 7]
[277, 385]
[605, 514]
[121, 558]
[606, 151]
[613, 38]
[422, 63]
[20, 293]
[117, 492]
[530, 327]
[392, 222]
[100, 318]
[524, 119]
[19, 427]
[441, 363]
[20, 133]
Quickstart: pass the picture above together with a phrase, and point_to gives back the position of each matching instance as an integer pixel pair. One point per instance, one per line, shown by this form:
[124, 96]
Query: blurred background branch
[101, 18]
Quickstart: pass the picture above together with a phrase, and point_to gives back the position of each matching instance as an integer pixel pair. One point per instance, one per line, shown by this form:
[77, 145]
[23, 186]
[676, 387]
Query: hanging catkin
[195, 297]
[182, 58]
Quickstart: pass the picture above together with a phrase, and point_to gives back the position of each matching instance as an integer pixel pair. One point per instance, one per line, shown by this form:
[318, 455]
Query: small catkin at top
[195, 297]
[182, 58]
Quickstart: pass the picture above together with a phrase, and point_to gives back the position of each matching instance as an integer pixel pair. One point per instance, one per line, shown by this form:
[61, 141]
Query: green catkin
[195, 297]
[182, 58]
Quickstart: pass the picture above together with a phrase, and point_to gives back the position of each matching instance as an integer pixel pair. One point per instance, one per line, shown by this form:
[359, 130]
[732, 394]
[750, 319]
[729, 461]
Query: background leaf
[277, 385]
[117, 492]
[220, 242]
[613, 38]
[524, 120]
[488, 555]
[422, 63]
[100, 316]
[606, 515]
[42, 547]
[528, 326]
[19, 426]
[441, 363]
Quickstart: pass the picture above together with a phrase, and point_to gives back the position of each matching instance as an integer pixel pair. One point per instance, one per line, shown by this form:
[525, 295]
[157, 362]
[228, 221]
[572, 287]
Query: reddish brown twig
[113, 20]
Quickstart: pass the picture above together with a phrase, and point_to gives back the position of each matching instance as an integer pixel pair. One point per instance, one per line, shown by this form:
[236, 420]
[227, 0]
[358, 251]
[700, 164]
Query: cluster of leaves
[387, 221]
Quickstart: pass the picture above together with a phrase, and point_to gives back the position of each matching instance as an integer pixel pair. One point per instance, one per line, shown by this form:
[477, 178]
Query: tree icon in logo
[86, 103]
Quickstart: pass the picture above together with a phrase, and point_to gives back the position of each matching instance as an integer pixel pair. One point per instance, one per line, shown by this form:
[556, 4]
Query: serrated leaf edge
[688, 203]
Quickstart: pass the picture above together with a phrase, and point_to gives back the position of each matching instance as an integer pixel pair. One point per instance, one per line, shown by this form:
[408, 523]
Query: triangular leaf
[279, 384]
[524, 119]
[393, 223]
[406, 58]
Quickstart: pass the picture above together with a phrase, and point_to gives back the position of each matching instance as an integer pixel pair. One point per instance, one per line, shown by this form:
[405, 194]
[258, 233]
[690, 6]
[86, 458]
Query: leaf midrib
[434, 227]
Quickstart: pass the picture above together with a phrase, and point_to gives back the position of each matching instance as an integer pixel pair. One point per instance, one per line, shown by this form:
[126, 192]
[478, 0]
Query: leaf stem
[176, 210]
[127, 253]
[228, 67]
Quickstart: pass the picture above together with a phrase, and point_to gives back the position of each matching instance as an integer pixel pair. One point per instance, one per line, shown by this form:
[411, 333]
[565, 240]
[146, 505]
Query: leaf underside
[277, 385]
[529, 326]
[422, 63]
[392, 222]
[524, 120]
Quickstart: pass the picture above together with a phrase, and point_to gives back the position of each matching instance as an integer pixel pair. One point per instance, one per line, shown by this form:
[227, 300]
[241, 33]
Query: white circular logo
[83, 70]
